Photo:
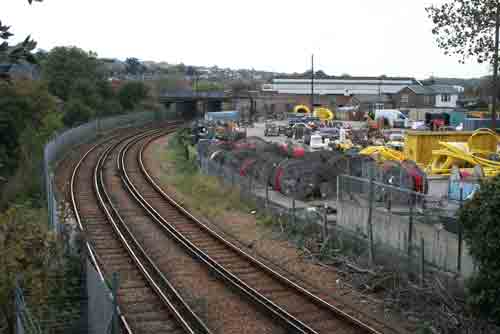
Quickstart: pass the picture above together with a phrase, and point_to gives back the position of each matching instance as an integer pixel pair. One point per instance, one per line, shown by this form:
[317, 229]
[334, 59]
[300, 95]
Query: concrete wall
[441, 247]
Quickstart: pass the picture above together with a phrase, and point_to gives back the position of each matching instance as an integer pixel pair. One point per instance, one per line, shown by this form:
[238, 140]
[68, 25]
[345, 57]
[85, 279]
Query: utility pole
[312, 83]
[495, 71]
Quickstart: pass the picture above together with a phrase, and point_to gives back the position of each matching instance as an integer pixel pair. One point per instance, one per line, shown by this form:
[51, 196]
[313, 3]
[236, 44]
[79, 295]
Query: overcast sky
[358, 37]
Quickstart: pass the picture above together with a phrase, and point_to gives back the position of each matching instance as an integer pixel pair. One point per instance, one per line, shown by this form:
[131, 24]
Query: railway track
[148, 302]
[296, 309]
[128, 218]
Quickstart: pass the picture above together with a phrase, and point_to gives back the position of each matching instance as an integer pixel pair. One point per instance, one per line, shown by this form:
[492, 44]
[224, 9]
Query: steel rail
[315, 299]
[88, 246]
[136, 251]
[289, 321]
[97, 175]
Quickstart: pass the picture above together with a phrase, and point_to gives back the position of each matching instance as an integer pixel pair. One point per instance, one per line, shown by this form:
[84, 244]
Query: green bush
[76, 112]
[481, 223]
[132, 93]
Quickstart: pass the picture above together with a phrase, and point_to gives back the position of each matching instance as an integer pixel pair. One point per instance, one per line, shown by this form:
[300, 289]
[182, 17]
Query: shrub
[481, 224]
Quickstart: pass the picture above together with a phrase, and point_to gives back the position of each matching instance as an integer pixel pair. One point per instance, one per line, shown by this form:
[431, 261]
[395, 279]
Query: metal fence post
[422, 262]
[460, 234]
[338, 187]
[114, 322]
[371, 255]
[325, 223]
[410, 229]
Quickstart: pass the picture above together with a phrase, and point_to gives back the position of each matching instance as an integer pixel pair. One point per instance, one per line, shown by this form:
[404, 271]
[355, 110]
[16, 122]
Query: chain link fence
[402, 245]
[372, 221]
[93, 310]
[418, 226]
[63, 142]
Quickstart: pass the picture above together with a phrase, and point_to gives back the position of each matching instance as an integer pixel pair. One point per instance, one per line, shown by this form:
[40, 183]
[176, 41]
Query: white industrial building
[341, 86]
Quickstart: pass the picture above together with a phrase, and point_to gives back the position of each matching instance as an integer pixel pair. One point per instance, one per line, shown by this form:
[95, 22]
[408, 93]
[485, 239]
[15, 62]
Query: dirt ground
[260, 241]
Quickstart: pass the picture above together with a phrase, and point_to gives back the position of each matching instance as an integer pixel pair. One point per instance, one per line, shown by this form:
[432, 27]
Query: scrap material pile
[480, 150]
[295, 172]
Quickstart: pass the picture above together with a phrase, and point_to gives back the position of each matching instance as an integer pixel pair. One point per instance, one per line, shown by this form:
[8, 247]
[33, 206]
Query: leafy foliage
[67, 67]
[134, 66]
[132, 93]
[482, 236]
[23, 104]
[26, 248]
[19, 52]
[76, 112]
[465, 28]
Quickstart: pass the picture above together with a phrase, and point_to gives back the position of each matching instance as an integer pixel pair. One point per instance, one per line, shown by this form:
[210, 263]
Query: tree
[22, 103]
[482, 237]
[65, 64]
[134, 66]
[132, 93]
[21, 51]
[469, 28]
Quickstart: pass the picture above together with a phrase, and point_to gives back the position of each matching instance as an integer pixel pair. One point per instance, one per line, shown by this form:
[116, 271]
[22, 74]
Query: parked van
[395, 117]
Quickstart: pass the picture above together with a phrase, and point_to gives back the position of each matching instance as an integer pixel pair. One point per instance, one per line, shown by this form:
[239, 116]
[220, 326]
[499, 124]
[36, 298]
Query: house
[446, 96]
[414, 96]
[417, 100]
[367, 102]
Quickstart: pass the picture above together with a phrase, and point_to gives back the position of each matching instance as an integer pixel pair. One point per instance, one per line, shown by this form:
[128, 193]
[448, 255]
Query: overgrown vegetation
[73, 89]
[205, 193]
[483, 235]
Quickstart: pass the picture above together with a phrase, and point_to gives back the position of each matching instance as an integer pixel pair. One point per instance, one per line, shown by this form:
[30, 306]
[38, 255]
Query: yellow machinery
[301, 109]
[323, 113]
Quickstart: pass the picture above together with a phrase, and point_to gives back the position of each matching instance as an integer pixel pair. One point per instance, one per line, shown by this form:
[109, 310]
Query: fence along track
[298, 309]
[142, 300]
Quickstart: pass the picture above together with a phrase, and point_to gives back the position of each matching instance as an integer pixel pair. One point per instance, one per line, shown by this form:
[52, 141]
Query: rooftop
[421, 90]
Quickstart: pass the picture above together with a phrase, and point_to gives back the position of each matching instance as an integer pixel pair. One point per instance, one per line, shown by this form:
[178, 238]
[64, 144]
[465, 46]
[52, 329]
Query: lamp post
[312, 83]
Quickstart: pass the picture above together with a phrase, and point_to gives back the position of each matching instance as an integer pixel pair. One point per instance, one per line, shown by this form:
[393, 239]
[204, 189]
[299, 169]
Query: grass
[206, 194]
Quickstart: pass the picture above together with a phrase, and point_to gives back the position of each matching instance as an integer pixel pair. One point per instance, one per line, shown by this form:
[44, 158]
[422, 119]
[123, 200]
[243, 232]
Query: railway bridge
[189, 103]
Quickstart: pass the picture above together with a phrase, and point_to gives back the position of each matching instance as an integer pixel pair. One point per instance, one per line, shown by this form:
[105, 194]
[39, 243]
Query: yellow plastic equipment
[383, 153]
[323, 113]
[419, 145]
[301, 109]
[461, 155]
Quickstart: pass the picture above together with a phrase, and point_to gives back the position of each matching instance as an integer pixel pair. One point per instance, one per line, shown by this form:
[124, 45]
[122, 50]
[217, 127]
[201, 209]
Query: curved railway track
[297, 309]
[113, 195]
[148, 302]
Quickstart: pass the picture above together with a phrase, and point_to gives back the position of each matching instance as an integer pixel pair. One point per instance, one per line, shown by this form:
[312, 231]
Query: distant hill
[466, 83]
